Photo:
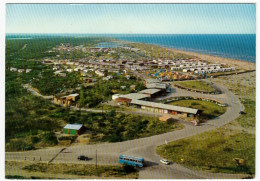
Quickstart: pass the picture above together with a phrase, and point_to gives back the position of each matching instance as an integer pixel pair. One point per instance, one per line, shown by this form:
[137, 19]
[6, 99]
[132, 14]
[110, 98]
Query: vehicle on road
[164, 161]
[131, 160]
[82, 157]
[242, 112]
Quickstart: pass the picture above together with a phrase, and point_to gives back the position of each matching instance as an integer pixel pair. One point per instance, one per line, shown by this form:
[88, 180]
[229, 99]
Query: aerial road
[108, 153]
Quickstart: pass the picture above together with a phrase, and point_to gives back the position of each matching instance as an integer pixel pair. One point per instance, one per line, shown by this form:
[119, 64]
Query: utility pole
[96, 162]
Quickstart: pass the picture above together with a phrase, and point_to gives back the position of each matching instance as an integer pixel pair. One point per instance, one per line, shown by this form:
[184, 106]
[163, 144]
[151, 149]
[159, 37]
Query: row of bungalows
[215, 70]
[165, 108]
[12, 69]
[66, 100]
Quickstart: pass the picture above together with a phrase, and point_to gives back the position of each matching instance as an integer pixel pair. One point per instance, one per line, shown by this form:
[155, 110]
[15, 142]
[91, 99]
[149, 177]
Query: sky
[131, 18]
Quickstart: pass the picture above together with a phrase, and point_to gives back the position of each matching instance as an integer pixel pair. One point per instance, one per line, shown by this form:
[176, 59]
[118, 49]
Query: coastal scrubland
[27, 170]
[228, 149]
[209, 110]
[196, 85]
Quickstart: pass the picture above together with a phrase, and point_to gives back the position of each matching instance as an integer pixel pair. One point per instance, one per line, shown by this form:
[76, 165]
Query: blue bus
[131, 160]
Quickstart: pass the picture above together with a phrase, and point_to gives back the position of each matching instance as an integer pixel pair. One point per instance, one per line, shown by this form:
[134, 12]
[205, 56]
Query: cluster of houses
[200, 67]
[12, 69]
[165, 75]
[142, 99]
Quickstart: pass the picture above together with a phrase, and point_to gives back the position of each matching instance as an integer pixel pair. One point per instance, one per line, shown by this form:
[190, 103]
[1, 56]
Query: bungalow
[66, 100]
[20, 70]
[69, 70]
[13, 69]
[28, 70]
[74, 129]
[99, 73]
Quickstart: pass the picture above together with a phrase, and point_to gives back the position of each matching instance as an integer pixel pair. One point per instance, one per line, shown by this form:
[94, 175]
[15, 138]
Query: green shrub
[50, 138]
[18, 145]
[35, 139]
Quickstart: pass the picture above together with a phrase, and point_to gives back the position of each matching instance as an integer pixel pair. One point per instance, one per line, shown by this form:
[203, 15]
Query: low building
[21, 70]
[28, 70]
[129, 97]
[13, 69]
[165, 108]
[74, 129]
[66, 100]
[99, 73]
[69, 70]
[151, 92]
[156, 86]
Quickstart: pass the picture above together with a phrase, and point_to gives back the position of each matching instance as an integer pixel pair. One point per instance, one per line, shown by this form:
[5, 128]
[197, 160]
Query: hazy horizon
[131, 18]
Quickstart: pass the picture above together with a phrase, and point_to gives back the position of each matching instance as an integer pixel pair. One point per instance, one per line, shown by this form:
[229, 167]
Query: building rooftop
[133, 96]
[71, 95]
[151, 81]
[75, 126]
[164, 106]
[149, 91]
[156, 86]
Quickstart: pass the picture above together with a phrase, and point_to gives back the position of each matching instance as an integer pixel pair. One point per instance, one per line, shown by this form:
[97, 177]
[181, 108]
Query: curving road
[144, 147]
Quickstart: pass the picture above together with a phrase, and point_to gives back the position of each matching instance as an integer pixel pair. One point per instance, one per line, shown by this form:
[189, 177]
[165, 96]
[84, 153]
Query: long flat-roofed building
[165, 108]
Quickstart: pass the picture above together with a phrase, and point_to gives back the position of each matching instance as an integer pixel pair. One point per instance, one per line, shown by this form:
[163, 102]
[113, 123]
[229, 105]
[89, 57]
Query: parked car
[82, 157]
[164, 161]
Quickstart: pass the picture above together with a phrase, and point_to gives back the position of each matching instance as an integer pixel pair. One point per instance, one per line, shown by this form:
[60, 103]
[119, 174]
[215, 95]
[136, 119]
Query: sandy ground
[243, 65]
[243, 85]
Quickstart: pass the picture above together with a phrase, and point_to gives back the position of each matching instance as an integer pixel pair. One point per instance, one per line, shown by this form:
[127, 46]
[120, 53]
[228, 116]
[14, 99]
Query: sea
[235, 46]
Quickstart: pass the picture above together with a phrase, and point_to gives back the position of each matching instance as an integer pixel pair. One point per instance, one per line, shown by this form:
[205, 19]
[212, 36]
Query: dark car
[82, 157]
[242, 112]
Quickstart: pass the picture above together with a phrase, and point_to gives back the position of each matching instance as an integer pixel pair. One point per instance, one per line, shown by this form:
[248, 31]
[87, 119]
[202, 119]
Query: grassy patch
[209, 110]
[214, 151]
[114, 127]
[248, 119]
[83, 170]
[196, 84]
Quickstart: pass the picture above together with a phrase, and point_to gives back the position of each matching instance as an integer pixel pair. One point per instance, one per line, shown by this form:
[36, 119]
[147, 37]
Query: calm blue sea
[236, 46]
[241, 47]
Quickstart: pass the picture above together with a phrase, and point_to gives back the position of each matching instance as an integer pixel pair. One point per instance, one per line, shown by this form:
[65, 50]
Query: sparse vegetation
[209, 110]
[221, 150]
[196, 84]
[114, 127]
[84, 170]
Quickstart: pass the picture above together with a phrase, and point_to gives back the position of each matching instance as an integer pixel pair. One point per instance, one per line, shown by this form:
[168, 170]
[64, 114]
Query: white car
[164, 161]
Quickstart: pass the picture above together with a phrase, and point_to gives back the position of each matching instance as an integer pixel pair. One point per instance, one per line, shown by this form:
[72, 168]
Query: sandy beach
[240, 64]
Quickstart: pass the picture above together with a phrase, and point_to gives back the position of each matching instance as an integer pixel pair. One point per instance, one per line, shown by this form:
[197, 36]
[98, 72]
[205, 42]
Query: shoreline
[240, 64]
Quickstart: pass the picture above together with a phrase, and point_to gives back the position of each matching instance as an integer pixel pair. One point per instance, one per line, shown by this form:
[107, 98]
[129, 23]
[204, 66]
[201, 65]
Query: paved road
[145, 147]
[30, 89]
